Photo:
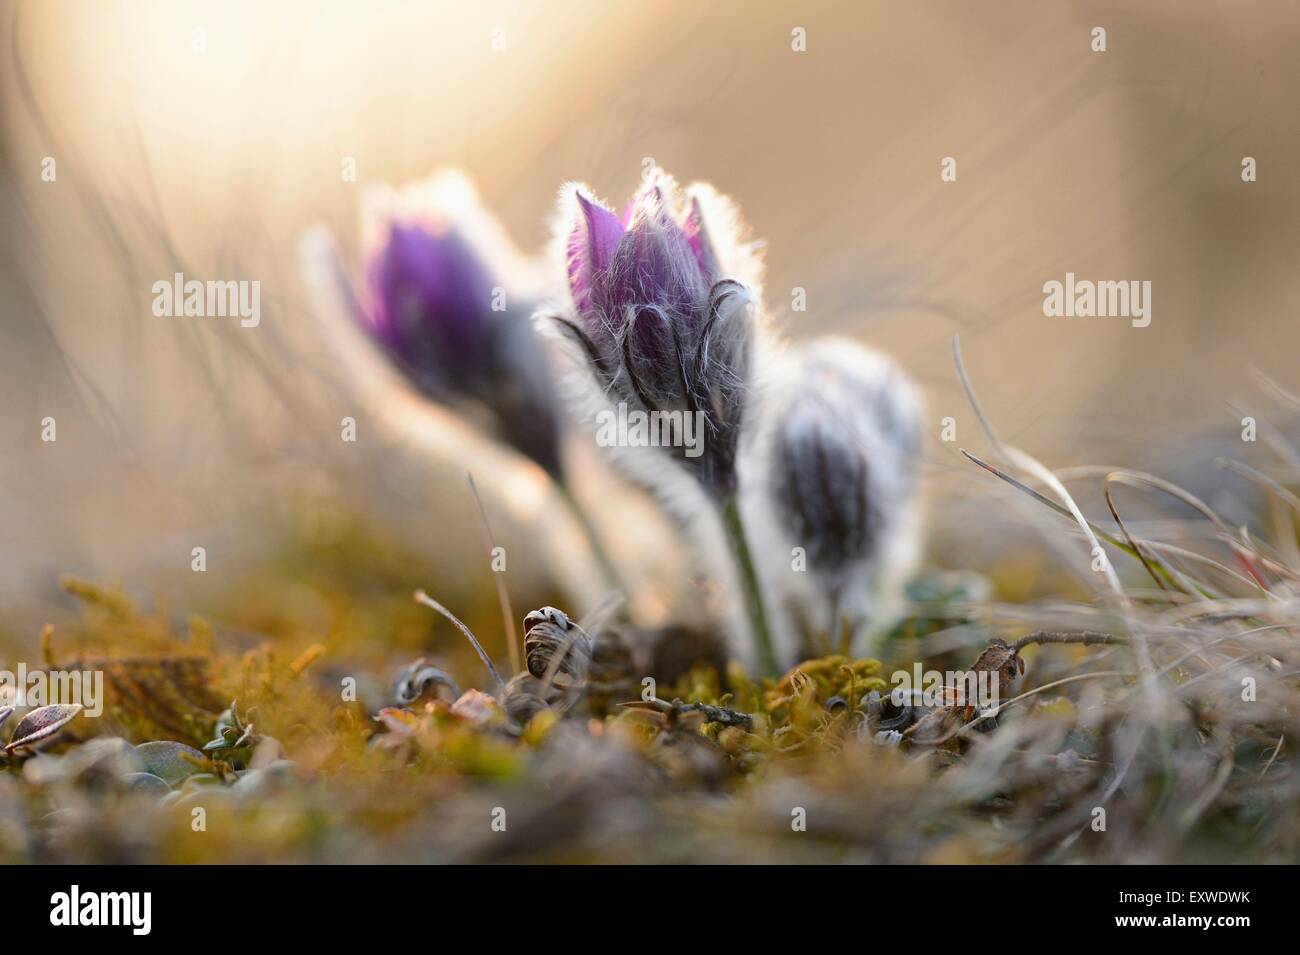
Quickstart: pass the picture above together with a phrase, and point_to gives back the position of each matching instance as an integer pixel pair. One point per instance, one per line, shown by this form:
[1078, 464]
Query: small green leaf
[171, 761]
[146, 783]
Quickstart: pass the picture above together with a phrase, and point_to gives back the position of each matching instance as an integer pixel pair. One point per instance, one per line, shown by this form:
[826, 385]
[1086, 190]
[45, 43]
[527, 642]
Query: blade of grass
[422, 597]
[503, 594]
[1048, 502]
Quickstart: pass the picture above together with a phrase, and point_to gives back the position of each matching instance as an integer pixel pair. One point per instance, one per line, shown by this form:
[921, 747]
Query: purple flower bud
[429, 306]
[661, 327]
[443, 311]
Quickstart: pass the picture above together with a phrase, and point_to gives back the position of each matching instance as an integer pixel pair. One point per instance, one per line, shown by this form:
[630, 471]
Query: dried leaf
[476, 707]
[42, 723]
[397, 720]
[554, 643]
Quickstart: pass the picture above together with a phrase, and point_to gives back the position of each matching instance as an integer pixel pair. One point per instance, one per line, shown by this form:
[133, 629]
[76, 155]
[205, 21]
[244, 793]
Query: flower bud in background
[843, 458]
[445, 296]
[662, 325]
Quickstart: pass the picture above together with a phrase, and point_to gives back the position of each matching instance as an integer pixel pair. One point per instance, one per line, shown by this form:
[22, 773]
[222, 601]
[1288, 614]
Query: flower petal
[654, 263]
[698, 236]
[592, 240]
[431, 303]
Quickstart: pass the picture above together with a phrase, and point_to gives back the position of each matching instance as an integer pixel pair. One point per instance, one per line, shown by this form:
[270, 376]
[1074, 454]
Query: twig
[1085, 637]
[713, 714]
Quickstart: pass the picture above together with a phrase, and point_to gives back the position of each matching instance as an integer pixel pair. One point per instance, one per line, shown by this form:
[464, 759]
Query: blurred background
[204, 137]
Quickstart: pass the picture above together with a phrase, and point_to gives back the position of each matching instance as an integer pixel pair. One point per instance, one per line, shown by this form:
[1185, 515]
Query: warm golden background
[176, 432]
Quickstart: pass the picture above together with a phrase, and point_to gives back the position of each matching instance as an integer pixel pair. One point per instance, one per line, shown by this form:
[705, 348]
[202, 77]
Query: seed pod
[552, 642]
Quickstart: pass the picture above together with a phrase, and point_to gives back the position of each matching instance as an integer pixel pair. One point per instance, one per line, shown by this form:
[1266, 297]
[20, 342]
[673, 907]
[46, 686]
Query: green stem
[613, 579]
[729, 510]
[841, 633]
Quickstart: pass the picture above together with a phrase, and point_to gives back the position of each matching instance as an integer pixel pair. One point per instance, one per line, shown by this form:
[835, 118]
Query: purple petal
[654, 263]
[698, 236]
[436, 307]
[430, 301]
[595, 235]
[650, 194]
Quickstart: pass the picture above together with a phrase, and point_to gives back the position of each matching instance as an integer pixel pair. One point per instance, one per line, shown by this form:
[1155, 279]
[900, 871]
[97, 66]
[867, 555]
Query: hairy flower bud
[844, 456]
[661, 327]
[442, 298]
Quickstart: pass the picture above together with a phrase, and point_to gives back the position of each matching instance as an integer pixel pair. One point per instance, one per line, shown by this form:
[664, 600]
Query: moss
[325, 777]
